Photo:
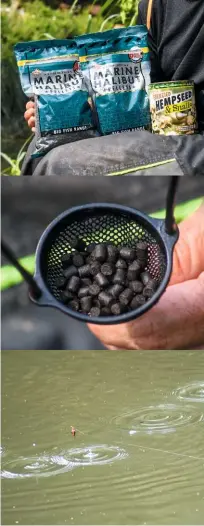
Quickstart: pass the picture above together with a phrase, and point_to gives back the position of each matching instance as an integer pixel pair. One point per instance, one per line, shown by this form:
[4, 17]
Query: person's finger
[33, 130]
[30, 104]
[31, 122]
[176, 322]
[29, 113]
[188, 253]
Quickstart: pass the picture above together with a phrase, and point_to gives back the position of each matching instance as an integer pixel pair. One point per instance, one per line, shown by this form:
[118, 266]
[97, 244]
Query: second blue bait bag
[50, 72]
[116, 66]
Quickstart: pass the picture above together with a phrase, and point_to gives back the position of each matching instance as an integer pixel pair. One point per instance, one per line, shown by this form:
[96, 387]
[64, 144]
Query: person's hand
[29, 115]
[177, 321]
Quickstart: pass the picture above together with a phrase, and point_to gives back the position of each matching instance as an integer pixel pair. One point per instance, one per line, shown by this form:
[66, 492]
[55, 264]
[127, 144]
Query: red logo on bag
[136, 55]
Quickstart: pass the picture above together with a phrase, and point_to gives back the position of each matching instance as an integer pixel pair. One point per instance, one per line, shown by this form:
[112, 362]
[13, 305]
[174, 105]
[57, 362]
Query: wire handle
[34, 289]
[170, 224]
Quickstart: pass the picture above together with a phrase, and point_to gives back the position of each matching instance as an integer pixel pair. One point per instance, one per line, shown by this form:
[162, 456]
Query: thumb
[189, 250]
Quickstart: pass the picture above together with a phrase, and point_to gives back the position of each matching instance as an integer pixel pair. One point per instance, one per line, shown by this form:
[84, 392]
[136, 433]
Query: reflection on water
[145, 410]
[48, 465]
[159, 419]
[193, 392]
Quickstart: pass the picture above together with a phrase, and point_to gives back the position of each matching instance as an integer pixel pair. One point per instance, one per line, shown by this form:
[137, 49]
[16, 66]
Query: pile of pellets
[105, 280]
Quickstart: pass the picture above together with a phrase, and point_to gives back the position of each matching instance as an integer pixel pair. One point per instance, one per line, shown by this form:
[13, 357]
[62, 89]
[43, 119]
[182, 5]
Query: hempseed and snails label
[173, 108]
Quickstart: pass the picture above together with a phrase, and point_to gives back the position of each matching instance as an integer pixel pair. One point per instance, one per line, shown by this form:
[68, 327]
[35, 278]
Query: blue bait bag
[116, 67]
[50, 72]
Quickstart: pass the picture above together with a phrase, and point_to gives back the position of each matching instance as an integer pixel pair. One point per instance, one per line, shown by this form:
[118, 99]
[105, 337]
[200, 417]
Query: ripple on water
[50, 465]
[159, 419]
[193, 392]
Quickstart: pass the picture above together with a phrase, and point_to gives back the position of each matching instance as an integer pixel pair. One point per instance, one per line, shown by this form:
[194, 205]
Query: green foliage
[14, 167]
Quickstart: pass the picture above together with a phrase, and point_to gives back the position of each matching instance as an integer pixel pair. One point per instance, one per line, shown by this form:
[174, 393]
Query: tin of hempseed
[84, 271]
[100, 252]
[121, 263]
[126, 296]
[66, 296]
[117, 308]
[129, 254]
[145, 277]
[60, 283]
[136, 286]
[107, 269]
[95, 268]
[74, 304]
[83, 291]
[78, 260]
[70, 271]
[137, 301]
[86, 304]
[66, 260]
[94, 290]
[142, 250]
[105, 311]
[95, 311]
[74, 284]
[105, 299]
[85, 282]
[77, 244]
[120, 276]
[90, 248]
[101, 280]
[133, 271]
[112, 252]
[115, 290]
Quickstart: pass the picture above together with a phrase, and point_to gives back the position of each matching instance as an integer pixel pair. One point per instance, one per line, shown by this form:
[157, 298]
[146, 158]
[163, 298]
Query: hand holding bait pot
[50, 72]
[116, 67]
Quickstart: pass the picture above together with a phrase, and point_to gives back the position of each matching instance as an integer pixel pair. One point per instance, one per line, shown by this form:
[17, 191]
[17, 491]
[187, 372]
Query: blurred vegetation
[23, 20]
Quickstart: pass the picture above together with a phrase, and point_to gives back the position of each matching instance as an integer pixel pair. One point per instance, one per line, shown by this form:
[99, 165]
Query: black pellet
[107, 269]
[60, 283]
[74, 304]
[120, 276]
[74, 284]
[115, 290]
[86, 304]
[90, 248]
[66, 260]
[117, 308]
[95, 268]
[85, 282]
[95, 311]
[121, 263]
[145, 277]
[96, 302]
[128, 254]
[70, 271]
[94, 289]
[105, 311]
[89, 259]
[105, 299]
[101, 280]
[83, 291]
[150, 288]
[136, 286]
[126, 296]
[77, 244]
[142, 250]
[66, 296]
[112, 252]
[100, 252]
[137, 301]
[133, 271]
[78, 260]
[84, 271]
